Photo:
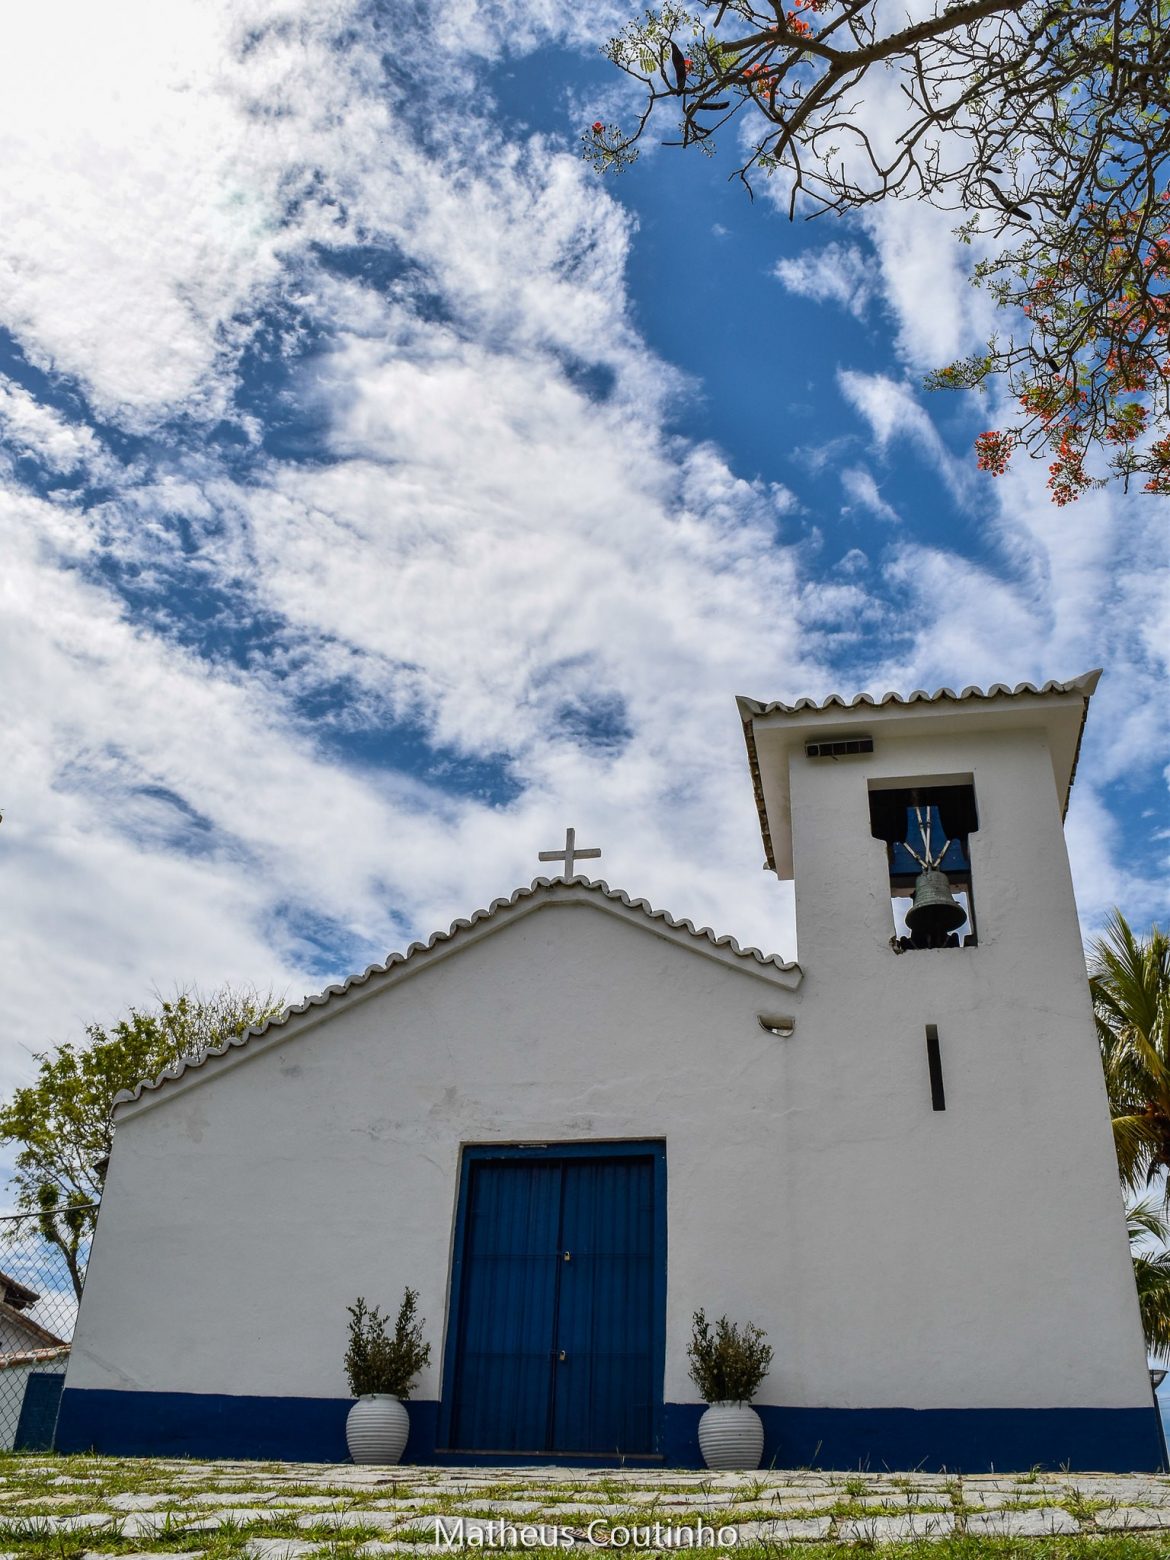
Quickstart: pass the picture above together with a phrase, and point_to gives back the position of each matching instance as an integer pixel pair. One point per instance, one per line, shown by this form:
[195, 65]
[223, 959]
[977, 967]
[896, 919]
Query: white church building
[572, 1120]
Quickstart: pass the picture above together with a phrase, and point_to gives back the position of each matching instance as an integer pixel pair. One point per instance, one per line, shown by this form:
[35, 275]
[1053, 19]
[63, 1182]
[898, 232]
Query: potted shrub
[728, 1362]
[381, 1371]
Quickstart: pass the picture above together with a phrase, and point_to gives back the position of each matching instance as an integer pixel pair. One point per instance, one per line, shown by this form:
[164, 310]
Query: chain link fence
[38, 1309]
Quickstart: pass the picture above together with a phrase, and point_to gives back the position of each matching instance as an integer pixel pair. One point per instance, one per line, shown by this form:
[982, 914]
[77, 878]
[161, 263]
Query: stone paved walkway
[104, 1506]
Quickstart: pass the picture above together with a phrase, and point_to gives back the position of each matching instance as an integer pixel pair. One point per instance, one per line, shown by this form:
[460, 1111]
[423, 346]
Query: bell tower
[942, 1085]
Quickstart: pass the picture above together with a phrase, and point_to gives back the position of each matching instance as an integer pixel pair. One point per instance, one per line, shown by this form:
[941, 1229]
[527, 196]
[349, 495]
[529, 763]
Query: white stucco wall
[895, 1256]
[14, 1337]
[994, 1229]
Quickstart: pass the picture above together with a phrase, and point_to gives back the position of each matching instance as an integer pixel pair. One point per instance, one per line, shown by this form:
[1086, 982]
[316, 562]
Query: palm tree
[1129, 980]
[1151, 1269]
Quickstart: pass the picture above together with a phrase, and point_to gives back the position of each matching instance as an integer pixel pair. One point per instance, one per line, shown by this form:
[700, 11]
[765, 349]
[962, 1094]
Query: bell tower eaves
[774, 731]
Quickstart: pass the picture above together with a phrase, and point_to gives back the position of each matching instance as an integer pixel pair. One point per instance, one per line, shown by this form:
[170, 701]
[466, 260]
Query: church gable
[543, 895]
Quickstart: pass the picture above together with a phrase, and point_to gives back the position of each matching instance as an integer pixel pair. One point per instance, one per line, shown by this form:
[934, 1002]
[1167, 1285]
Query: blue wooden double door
[560, 1280]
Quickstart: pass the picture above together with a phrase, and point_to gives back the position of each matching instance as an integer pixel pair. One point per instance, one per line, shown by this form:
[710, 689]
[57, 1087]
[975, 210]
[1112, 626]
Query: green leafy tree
[62, 1121]
[1045, 126]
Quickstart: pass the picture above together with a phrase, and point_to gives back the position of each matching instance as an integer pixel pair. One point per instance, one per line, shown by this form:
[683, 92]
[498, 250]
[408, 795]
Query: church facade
[571, 1121]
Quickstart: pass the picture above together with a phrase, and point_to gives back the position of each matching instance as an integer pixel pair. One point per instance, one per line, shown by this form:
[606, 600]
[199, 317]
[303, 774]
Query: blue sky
[382, 491]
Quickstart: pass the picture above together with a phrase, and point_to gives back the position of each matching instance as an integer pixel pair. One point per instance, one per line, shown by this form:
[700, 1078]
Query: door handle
[562, 1356]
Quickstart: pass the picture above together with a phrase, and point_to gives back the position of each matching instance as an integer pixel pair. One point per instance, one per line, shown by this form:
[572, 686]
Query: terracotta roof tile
[1085, 685]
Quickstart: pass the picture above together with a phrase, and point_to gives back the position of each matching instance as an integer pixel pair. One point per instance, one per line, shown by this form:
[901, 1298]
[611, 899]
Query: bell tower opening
[926, 827]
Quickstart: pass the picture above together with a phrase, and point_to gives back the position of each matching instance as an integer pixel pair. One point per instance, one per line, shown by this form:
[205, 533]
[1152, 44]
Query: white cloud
[487, 27]
[925, 284]
[893, 412]
[168, 181]
[28, 428]
[863, 493]
[854, 562]
[838, 273]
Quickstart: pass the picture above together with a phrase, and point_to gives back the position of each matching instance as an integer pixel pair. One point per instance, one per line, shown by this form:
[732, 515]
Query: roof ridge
[1085, 684]
[457, 928]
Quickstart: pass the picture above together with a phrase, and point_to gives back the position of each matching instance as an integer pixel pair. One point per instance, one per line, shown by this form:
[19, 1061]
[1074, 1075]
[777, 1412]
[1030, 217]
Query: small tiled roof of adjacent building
[11, 1360]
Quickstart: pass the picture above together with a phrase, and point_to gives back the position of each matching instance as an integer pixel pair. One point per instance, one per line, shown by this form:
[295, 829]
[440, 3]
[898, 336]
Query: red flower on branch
[1067, 477]
[993, 450]
[1160, 477]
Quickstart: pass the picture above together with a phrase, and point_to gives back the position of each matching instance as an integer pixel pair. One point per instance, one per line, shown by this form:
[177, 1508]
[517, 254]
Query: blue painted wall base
[38, 1411]
[959, 1440]
[966, 1440]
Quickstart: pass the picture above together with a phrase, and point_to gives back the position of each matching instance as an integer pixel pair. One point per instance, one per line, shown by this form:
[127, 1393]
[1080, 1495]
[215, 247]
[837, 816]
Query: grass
[228, 1545]
[32, 1484]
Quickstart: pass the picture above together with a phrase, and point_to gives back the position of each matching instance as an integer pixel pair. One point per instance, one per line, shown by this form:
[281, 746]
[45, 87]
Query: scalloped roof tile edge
[566, 889]
[1085, 684]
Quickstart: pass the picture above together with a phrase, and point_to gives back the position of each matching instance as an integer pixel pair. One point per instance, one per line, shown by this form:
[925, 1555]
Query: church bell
[934, 913]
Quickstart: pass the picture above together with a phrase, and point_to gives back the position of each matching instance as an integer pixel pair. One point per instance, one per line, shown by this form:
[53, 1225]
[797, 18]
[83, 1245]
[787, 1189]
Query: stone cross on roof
[570, 854]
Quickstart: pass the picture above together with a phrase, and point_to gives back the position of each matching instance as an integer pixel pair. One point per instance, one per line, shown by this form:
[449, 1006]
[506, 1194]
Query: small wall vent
[839, 747]
[777, 1024]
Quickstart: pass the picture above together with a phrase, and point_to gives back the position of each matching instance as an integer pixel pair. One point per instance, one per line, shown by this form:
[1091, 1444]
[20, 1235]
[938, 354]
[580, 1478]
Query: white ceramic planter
[731, 1435]
[376, 1429]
